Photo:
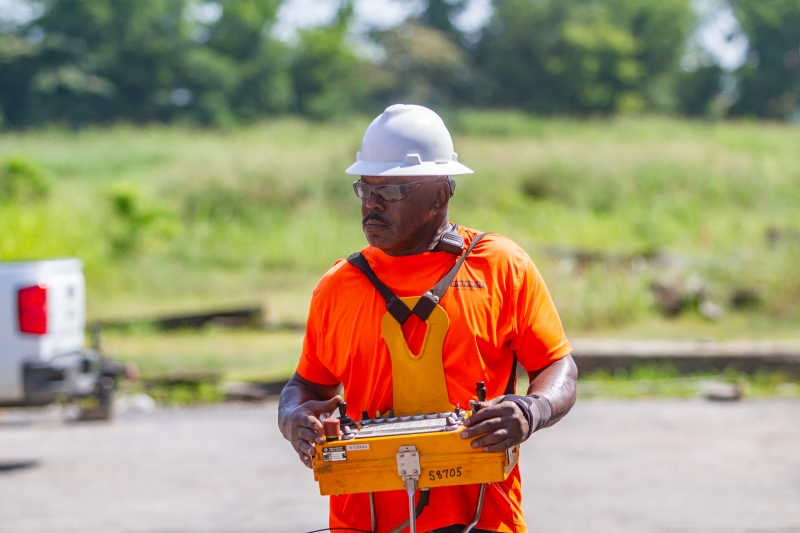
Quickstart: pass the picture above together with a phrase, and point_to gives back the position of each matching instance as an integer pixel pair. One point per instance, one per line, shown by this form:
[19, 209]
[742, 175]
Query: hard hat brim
[368, 168]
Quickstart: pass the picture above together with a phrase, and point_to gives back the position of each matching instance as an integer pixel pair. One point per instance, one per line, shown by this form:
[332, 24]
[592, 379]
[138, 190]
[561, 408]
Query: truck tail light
[32, 307]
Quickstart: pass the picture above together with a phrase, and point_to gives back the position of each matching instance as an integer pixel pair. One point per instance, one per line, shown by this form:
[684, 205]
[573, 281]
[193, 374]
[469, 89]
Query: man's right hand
[303, 427]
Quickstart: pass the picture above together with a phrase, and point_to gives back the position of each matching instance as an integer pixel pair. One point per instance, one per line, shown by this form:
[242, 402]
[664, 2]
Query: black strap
[511, 386]
[427, 303]
[394, 305]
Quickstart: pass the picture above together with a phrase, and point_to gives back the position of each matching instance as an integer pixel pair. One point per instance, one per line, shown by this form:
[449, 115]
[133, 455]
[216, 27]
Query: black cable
[340, 529]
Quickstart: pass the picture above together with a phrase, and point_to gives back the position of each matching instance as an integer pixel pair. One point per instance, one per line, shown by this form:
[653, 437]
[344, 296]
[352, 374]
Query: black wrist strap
[545, 410]
[542, 406]
[525, 407]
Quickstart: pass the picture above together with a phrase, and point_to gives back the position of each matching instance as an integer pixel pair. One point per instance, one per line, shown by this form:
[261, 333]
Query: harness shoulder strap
[426, 304]
[394, 305]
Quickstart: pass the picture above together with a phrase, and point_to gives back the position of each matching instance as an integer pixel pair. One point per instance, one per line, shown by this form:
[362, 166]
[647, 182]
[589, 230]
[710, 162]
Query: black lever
[480, 390]
[345, 420]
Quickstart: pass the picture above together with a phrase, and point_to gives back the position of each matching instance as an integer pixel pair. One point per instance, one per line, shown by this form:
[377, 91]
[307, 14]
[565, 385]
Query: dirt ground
[637, 466]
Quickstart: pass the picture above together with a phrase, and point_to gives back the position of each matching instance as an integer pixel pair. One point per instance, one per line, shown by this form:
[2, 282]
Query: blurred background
[645, 154]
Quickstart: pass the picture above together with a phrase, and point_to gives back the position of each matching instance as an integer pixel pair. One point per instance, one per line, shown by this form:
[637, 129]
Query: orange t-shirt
[498, 306]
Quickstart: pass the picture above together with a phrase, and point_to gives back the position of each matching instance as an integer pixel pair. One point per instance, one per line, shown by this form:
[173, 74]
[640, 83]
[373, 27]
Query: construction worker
[499, 309]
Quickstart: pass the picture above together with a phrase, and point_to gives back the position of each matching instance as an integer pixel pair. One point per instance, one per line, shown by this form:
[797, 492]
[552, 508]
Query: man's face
[398, 227]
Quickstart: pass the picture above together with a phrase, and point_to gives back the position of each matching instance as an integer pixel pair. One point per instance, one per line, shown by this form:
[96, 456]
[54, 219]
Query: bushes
[604, 207]
[22, 180]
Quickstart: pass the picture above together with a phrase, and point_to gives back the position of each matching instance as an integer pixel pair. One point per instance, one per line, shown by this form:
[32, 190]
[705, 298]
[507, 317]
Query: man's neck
[424, 244]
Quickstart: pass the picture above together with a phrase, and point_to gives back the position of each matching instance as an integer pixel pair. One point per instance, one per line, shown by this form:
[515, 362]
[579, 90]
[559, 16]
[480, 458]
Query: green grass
[258, 356]
[236, 355]
[651, 380]
[170, 219]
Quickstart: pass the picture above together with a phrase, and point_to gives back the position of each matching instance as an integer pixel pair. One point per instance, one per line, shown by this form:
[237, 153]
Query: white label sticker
[334, 453]
[353, 447]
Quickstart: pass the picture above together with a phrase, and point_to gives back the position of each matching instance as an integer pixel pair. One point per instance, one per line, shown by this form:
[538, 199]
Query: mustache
[374, 216]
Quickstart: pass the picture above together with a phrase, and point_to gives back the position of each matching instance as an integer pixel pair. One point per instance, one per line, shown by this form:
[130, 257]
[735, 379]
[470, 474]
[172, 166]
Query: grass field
[169, 219]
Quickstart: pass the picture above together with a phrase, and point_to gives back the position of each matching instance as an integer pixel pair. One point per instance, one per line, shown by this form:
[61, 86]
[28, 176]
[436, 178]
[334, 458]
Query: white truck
[42, 337]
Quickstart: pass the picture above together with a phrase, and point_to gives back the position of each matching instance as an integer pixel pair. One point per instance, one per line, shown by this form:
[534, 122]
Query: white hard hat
[407, 140]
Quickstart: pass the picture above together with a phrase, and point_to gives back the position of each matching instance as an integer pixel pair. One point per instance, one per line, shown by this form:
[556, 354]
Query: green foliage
[215, 62]
[423, 64]
[696, 91]
[186, 393]
[135, 222]
[22, 180]
[770, 82]
[662, 380]
[329, 79]
[98, 60]
[169, 219]
[438, 14]
[582, 55]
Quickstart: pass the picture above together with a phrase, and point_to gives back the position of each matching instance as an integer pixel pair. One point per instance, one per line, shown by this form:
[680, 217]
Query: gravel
[610, 466]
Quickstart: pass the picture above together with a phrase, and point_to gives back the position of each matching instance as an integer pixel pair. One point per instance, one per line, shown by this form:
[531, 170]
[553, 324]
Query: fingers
[493, 409]
[494, 437]
[319, 407]
[487, 426]
[499, 425]
[305, 450]
[309, 434]
[306, 428]
[305, 459]
[304, 447]
[500, 446]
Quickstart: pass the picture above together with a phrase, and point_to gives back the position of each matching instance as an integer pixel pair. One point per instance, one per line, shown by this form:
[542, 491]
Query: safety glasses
[390, 192]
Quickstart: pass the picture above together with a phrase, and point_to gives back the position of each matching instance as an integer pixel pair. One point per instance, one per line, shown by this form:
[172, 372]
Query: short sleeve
[540, 337]
[311, 366]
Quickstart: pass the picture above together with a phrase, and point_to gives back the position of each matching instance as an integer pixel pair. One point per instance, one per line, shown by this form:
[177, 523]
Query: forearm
[556, 383]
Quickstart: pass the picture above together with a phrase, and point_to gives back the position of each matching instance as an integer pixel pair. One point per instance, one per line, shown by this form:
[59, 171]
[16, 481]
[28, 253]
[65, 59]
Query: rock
[135, 403]
[245, 392]
[669, 299]
[746, 298]
[710, 310]
[721, 392]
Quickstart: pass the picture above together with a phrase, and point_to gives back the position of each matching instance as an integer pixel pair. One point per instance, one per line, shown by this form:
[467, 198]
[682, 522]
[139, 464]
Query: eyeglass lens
[387, 193]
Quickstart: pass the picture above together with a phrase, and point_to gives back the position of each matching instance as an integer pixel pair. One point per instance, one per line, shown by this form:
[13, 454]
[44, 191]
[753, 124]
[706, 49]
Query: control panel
[365, 456]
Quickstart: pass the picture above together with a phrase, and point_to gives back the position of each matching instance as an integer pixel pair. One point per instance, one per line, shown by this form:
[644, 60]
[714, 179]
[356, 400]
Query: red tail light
[32, 306]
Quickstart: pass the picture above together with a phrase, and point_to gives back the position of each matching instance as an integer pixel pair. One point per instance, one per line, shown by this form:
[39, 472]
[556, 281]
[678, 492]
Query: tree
[234, 67]
[424, 65]
[329, 78]
[101, 60]
[582, 55]
[769, 84]
[439, 14]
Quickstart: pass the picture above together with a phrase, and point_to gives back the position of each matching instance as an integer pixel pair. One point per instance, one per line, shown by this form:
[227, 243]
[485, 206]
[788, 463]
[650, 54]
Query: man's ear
[441, 199]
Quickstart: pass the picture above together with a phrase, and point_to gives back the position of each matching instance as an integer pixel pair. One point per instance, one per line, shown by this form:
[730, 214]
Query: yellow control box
[374, 464]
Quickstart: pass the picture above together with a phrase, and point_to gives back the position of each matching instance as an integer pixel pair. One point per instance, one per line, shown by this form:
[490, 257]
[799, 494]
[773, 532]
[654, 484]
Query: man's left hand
[502, 424]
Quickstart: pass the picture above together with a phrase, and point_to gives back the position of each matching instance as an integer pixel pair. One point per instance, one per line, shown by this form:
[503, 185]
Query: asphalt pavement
[611, 466]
